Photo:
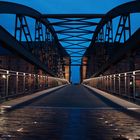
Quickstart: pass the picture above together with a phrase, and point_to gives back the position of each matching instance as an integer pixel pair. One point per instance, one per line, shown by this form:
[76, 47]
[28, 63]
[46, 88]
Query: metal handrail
[123, 84]
[14, 83]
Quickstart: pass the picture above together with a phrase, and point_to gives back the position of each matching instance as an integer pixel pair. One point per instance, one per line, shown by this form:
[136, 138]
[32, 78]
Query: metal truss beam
[76, 29]
[87, 40]
[129, 46]
[38, 55]
[13, 45]
[75, 48]
[39, 36]
[79, 32]
[123, 28]
[18, 9]
[77, 56]
[71, 24]
[21, 27]
[73, 16]
[122, 10]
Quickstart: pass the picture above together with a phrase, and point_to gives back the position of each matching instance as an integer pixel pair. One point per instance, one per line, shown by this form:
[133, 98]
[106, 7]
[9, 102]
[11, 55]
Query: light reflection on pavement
[61, 116]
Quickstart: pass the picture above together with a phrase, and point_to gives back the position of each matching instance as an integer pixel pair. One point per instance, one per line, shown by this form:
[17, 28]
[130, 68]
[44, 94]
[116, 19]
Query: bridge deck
[70, 113]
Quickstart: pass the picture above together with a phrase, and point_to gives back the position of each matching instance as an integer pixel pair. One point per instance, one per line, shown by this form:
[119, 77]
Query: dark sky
[67, 7]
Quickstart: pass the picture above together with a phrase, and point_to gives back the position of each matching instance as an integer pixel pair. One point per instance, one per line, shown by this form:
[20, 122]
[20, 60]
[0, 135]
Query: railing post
[97, 82]
[38, 84]
[125, 81]
[114, 81]
[45, 81]
[29, 82]
[16, 82]
[41, 82]
[34, 82]
[23, 82]
[7, 83]
[107, 83]
[110, 83]
[119, 84]
[134, 85]
[104, 80]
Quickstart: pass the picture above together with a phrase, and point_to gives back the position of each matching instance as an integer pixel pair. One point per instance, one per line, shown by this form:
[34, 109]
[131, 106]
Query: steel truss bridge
[53, 37]
[36, 59]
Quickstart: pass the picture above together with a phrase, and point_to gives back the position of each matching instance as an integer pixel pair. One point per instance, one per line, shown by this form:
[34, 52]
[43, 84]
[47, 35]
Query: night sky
[66, 7]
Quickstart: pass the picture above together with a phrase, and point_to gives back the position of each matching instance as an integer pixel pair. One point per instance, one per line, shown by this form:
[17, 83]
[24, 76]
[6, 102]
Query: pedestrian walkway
[12, 104]
[119, 101]
[70, 113]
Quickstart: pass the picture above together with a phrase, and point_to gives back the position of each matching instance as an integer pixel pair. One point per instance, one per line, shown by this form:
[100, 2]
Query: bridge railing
[13, 83]
[125, 84]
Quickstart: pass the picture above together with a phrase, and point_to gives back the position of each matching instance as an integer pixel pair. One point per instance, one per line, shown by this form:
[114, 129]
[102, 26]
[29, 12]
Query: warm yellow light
[4, 76]
[131, 83]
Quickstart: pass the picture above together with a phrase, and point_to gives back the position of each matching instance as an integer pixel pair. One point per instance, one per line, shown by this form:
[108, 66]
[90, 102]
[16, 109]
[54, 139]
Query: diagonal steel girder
[75, 29]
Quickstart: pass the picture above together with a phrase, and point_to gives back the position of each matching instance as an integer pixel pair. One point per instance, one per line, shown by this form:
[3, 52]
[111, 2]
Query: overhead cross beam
[73, 15]
[74, 31]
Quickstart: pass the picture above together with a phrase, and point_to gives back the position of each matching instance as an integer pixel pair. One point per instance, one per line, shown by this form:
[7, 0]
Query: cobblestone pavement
[71, 113]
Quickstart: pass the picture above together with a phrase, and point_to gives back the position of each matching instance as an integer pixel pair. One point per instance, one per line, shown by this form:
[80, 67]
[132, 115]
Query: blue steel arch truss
[34, 47]
[79, 32]
[118, 39]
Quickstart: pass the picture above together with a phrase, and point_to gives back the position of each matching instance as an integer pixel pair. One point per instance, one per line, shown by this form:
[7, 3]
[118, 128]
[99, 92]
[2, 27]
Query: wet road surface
[71, 113]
